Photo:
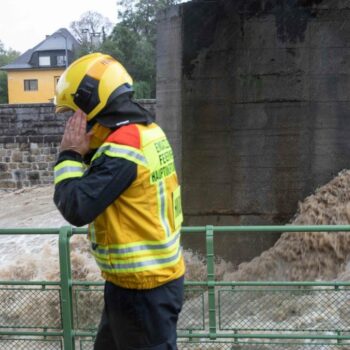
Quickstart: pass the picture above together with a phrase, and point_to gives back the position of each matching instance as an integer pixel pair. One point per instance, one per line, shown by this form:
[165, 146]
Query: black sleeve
[80, 200]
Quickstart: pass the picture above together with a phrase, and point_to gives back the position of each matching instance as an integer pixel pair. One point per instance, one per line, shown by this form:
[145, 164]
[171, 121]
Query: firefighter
[116, 173]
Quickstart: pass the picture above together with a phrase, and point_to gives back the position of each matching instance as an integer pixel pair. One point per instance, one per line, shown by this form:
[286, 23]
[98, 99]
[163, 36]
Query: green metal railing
[216, 315]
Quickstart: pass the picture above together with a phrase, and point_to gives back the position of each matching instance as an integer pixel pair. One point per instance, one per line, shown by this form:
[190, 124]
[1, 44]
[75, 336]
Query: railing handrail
[194, 229]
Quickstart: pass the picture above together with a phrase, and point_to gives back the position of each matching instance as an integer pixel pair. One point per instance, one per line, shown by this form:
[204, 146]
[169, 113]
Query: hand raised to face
[75, 137]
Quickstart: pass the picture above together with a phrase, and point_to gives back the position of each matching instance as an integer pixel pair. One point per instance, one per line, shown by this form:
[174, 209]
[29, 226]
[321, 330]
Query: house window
[44, 61]
[61, 60]
[30, 84]
[56, 79]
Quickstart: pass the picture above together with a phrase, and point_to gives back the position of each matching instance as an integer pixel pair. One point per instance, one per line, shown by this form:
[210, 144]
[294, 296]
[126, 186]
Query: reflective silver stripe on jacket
[141, 265]
[68, 169]
[126, 152]
[139, 248]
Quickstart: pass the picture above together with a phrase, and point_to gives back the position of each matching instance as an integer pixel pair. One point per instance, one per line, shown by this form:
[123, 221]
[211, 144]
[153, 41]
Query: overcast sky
[24, 23]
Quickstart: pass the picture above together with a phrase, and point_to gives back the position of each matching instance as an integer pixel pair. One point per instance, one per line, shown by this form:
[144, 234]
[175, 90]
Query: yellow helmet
[90, 82]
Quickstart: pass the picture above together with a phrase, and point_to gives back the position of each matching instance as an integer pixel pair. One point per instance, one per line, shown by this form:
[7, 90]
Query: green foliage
[6, 57]
[142, 89]
[133, 42]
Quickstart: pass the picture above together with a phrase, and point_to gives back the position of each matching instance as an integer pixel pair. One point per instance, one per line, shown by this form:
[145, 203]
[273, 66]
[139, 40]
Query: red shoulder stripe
[127, 135]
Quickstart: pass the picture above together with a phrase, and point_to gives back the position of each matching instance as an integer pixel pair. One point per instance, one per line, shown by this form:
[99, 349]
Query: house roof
[56, 41]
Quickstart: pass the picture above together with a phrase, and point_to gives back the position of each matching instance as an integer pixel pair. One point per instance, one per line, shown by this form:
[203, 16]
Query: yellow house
[33, 76]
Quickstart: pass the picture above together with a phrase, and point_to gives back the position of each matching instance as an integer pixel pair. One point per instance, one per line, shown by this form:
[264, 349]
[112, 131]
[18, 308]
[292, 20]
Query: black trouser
[140, 319]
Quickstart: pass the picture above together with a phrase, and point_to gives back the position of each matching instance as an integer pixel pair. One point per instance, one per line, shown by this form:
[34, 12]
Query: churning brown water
[308, 255]
[295, 256]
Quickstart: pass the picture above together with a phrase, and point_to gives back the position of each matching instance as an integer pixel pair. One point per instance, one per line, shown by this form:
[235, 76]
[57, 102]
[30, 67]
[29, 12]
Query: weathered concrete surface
[264, 92]
[169, 78]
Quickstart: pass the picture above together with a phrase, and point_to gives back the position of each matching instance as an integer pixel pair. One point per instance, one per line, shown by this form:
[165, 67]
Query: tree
[6, 57]
[90, 31]
[140, 15]
[133, 41]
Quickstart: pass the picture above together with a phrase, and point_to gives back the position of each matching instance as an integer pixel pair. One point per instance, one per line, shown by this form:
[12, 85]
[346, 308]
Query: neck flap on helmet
[122, 110]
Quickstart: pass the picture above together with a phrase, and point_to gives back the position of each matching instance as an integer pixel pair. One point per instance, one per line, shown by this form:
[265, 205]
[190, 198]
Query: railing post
[66, 288]
[209, 233]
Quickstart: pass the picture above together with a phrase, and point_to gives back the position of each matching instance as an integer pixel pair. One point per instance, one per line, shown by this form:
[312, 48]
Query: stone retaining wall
[29, 138]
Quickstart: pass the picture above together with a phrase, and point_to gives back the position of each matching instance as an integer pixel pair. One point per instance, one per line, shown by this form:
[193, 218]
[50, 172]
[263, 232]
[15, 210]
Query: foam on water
[308, 255]
[295, 256]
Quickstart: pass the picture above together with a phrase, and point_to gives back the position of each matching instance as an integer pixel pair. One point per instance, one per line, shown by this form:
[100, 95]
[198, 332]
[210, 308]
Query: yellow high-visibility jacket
[136, 238]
